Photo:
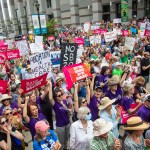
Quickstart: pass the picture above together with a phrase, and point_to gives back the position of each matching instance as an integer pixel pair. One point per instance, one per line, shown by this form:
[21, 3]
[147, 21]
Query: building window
[134, 7]
[49, 3]
[147, 8]
[106, 17]
[106, 8]
[118, 10]
[50, 17]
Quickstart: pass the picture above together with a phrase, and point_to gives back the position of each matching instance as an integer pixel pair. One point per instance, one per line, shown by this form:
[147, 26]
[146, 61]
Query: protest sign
[95, 39]
[142, 26]
[110, 36]
[18, 38]
[68, 54]
[94, 27]
[80, 41]
[3, 47]
[2, 43]
[102, 31]
[125, 115]
[79, 52]
[23, 47]
[13, 54]
[97, 31]
[117, 20]
[2, 59]
[3, 86]
[51, 38]
[10, 43]
[31, 84]
[86, 26]
[55, 58]
[36, 47]
[125, 32]
[117, 31]
[40, 63]
[147, 33]
[129, 43]
[39, 39]
[148, 26]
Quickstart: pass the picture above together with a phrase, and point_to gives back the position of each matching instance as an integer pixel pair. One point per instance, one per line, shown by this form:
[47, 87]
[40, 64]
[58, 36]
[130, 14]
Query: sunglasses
[60, 95]
[7, 114]
[48, 144]
[83, 102]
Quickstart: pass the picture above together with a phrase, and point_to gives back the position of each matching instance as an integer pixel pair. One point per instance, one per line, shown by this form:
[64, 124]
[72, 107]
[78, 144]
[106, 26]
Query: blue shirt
[44, 144]
[82, 92]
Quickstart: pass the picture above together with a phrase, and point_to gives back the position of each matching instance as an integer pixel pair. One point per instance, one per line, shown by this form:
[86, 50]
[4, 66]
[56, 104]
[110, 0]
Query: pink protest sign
[80, 41]
[97, 31]
[147, 33]
[51, 38]
[102, 31]
[125, 32]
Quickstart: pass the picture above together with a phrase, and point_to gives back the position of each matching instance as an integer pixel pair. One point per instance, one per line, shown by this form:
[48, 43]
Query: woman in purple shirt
[103, 78]
[62, 113]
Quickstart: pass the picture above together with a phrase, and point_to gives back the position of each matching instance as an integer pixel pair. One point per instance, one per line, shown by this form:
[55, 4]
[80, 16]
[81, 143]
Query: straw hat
[136, 123]
[106, 102]
[58, 79]
[4, 97]
[128, 87]
[114, 80]
[100, 126]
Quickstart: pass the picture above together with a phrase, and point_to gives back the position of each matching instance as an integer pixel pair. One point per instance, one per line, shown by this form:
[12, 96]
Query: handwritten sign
[36, 47]
[129, 43]
[110, 36]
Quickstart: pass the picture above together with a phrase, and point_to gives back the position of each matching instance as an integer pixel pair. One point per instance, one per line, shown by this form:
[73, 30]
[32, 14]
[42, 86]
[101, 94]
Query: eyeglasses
[48, 144]
[83, 102]
[60, 95]
[7, 114]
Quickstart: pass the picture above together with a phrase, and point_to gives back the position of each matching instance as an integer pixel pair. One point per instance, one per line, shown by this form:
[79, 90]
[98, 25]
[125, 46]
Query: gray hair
[82, 112]
[6, 108]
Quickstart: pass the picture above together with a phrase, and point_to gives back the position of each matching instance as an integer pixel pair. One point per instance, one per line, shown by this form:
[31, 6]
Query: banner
[2, 43]
[68, 54]
[31, 84]
[36, 48]
[39, 39]
[129, 43]
[51, 38]
[124, 11]
[40, 63]
[117, 20]
[23, 47]
[125, 32]
[74, 73]
[43, 23]
[3, 47]
[147, 33]
[55, 58]
[36, 25]
[80, 41]
[110, 36]
[13, 54]
[125, 116]
[3, 86]
[95, 39]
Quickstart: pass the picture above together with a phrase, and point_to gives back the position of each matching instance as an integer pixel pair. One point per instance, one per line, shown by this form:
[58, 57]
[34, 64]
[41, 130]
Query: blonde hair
[82, 112]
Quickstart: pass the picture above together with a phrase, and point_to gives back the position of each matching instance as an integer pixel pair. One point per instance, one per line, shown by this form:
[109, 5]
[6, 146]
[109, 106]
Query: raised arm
[46, 90]
[19, 99]
[51, 93]
[76, 105]
[88, 90]
[25, 116]
[123, 79]
[92, 86]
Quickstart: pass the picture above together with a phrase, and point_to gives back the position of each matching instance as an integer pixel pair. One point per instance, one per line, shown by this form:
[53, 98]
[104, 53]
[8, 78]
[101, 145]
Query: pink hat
[41, 125]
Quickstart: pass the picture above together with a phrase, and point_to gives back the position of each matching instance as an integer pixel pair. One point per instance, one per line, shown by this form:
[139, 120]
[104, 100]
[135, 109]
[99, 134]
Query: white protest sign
[40, 63]
[117, 20]
[148, 26]
[143, 26]
[94, 27]
[95, 39]
[80, 51]
[9, 43]
[129, 43]
[86, 26]
[36, 47]
[23, 47]
[110, 36]
[117, 31]
[39, 39]
[104, 62]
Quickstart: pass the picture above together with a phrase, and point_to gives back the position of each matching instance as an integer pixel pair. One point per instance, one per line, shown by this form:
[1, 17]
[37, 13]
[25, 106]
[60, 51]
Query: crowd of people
[110, 111]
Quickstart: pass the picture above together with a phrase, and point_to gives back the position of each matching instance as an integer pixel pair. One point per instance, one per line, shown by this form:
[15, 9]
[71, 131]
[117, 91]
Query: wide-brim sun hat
[135, 123]
[58, 79]
[100, 126]
[105, 102]
[4, 97]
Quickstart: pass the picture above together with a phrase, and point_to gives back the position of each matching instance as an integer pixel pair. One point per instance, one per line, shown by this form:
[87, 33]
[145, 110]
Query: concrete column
[42, 6]
[97, 10]
[14, 17]
[74, 12]
[2, 24]
[112, 11]
[30, 11]
[140, 9]
[56, 10]
[130, 8]
[6, 16]
[22, 16]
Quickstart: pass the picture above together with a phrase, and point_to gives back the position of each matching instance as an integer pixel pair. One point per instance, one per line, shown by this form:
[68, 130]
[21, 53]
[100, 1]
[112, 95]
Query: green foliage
[51, 27]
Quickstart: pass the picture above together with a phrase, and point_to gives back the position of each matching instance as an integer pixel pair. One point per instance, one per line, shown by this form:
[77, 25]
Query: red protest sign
[80, 41]
[125, 32]
[97, 31]
[3, 86]
[13, 54]
[51, 38]
[147, 33]
[31, 84]
[3, 47]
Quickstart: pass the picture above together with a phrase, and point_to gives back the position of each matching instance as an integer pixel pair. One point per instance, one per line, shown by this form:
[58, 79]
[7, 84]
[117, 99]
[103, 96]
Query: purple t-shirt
[33, 121]
[62, 114]
[144, 113]
[12, 106]
[117, 95]
[38, 99]
[126, 102]
[103, 79]
[93, 106]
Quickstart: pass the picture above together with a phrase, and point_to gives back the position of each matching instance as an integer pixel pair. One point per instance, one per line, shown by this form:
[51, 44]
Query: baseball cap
[41, 125]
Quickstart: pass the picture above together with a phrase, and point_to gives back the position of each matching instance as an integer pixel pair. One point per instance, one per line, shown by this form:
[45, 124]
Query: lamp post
[19, 28]
[37, 5]
[26, 19]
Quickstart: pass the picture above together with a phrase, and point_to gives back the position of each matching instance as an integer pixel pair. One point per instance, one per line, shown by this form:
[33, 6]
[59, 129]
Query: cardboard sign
[125, 116]
[23, 47]
[110, 36]
[3, 86]
[74, 73]
[36, 48]
[117, 20]
[55, 58]
[39, 39]
[51, 38]
[129, 43]
[147, 33]
[125, 32]
[31, 84]
[68, 54]
[80, 41]
[13, 54]
[40, 63]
